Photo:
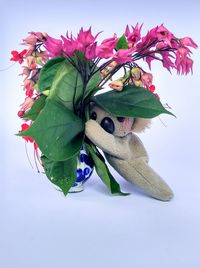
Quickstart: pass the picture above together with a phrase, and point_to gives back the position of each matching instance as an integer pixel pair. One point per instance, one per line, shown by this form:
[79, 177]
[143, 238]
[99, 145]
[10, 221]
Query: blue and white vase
[85, 168]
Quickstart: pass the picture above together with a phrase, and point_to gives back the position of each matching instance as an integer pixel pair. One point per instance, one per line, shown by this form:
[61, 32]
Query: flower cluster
[158, 44]
[35, 58]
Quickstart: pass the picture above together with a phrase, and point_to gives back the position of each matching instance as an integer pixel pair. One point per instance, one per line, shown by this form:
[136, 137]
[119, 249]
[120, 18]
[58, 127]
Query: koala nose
[108, 125]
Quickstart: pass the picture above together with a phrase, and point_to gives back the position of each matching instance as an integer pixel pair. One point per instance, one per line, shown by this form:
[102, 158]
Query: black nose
[108, 125]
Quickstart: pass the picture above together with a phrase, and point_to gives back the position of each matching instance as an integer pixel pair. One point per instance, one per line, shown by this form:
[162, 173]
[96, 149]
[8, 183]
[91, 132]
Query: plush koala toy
[124, 151]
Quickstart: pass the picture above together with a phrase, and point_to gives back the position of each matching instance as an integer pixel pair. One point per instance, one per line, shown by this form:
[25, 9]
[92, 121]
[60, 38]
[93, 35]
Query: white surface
[40, 227]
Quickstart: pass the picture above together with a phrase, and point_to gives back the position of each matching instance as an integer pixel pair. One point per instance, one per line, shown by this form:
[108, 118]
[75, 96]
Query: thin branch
[108, 76]
[74, 95]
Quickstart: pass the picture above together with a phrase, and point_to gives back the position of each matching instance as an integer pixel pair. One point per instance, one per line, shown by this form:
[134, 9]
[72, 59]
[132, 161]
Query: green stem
[108, 76]
[74, 106]
[82, 105]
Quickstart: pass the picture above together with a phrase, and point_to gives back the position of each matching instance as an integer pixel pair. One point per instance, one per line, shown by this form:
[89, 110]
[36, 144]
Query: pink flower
[164, 35]
[90, 52]
[117, 85]
[188, 65]
[185, 66]
[34, 37]
[25, 106]
[187, 41]
[148, 41]
[29, 91]
[181, 54]
[174, 43]
[152, 89]
[43, 55]
[159, 33]
[150, 58]
[123, 56]
[30, 50]
[29, 86]
[105, 50]
[30, 40]
[35, 75]
[104, 72]
[134, 36]
[23, 128]
[166, 61]
[16, 56]
[183, 63]
[31, 62]
[69, 45]
[40, 36]
[53, 46]
[147, 79]
[26, 71]
[85, 38]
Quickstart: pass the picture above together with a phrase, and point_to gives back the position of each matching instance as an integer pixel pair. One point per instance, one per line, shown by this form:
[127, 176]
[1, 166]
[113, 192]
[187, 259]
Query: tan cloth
[129, 158]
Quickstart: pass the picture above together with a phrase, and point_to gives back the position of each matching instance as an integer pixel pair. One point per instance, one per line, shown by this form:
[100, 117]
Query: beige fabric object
[129, 158]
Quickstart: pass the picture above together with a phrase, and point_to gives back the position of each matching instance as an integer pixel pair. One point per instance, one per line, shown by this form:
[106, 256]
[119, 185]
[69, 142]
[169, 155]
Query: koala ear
[140, 124]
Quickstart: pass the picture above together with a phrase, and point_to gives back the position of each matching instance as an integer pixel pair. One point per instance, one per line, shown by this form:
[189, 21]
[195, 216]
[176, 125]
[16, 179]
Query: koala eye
[120, 119]
[108, 125]
[93, 116]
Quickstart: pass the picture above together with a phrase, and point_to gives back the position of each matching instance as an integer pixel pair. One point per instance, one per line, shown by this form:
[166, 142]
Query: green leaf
[36, 108]
[67, 86]
[57, 131]
[48, 72]
[132, 101]
[61, 173]
[92, 84]
[103, 171]
[122, 43]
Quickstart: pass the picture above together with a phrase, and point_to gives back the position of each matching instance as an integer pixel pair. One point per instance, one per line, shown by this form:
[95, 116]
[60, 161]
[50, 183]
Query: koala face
[118, 126]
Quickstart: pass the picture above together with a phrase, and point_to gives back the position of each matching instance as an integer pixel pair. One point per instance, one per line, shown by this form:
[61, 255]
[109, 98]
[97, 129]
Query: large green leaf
[67, 85]
[103, 171]
[61, 173]
[38, 105]
[57, 131]
[65, 82]
[132, 101]
[122, 43]
[48, 73]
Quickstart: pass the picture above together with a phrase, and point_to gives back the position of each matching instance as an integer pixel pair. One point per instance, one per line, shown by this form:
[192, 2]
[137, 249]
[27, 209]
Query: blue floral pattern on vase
[85, 168]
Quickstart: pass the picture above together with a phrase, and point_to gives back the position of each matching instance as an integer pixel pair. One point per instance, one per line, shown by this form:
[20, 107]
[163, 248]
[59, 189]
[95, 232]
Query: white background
[40, 227]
